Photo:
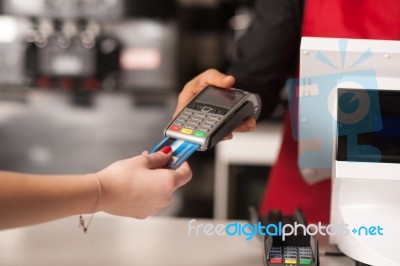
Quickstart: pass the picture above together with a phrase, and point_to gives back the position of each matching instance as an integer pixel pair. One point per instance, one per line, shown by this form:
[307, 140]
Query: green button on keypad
[200, 134]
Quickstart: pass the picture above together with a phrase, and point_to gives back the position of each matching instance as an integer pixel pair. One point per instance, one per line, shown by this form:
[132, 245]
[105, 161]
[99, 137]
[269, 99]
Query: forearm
[29, 199]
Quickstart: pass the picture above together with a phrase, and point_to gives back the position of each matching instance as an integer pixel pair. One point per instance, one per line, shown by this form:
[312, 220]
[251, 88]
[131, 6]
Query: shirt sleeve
[268, 53]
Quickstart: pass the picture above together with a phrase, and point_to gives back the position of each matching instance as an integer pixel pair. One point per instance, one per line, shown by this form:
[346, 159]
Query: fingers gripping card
[181, 150]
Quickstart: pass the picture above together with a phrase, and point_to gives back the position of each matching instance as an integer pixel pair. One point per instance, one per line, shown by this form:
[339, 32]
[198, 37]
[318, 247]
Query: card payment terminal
[207, 119]
[212, 114]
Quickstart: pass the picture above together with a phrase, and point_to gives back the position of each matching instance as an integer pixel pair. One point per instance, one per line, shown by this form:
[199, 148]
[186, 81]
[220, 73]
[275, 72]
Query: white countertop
[117, 241]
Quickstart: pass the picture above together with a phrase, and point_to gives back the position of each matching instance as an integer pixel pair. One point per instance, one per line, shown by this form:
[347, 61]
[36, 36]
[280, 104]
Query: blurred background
[84, 83]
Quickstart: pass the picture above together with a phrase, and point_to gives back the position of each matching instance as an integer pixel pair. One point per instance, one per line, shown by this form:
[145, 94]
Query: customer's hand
[140, 186]
[215, 78]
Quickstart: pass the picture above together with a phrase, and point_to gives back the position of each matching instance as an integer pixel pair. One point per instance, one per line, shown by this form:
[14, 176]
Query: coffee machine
[84, 46]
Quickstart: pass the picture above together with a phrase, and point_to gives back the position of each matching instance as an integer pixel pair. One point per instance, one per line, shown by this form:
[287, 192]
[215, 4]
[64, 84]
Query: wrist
[97, 188]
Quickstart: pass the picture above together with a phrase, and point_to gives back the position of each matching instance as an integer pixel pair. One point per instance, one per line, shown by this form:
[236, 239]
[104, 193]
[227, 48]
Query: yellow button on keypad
[187, 131]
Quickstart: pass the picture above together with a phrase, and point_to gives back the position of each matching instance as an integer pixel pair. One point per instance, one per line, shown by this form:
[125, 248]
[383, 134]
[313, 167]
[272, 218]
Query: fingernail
[166, 149]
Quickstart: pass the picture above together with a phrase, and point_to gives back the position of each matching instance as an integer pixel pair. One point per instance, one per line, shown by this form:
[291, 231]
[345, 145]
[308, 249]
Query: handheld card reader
[212, 114]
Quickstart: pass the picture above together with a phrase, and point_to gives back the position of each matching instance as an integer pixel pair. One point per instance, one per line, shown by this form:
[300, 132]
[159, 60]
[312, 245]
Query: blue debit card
[181, 150]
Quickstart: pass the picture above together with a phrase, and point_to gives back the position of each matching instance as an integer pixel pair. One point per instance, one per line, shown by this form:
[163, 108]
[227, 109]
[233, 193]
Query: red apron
[363, 19]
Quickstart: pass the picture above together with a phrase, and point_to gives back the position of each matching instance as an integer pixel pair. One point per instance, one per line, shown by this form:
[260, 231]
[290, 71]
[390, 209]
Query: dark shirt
[268, 53]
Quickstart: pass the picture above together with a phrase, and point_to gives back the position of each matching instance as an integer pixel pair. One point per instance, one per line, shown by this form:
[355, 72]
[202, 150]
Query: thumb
[208, 77]
[160, 158]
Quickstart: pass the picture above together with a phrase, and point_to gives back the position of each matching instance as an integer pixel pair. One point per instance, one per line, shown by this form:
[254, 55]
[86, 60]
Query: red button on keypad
[174, 128]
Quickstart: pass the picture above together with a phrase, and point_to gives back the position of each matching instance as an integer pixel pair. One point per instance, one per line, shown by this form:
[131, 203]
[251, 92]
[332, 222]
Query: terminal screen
[220, 97]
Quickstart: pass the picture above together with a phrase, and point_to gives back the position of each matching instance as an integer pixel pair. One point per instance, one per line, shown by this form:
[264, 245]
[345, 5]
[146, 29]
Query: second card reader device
[212, 114]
